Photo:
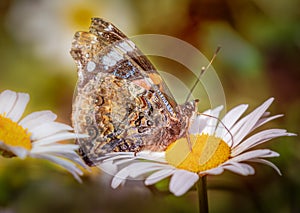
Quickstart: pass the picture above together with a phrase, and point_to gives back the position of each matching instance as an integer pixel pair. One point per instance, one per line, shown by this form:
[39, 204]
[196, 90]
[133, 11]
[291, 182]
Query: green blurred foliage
[259, 58]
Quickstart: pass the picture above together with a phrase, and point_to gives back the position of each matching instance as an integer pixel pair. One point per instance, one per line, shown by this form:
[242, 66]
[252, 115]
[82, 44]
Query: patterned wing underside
[121, 102]
[106, 44]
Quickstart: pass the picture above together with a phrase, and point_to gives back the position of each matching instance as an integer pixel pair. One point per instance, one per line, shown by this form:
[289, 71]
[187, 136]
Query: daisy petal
[240, 168]
[229, 120]
[17, 150]
[214, 171]
[120, 178]
[248, 122]
[158, 176]
[182, 181]
[258, 138]
[263, 161]
[57, 137]
[233, 115]
[72, 156]
[211, 124]
[262, 121]
[37, 118]
[47, 129]
[117, 158]
[152, 156]
[138, 169]
[56, 148]
[18, 107]
[258, 153]
[123, 161]
[68, 165]
[7, 101]
[108, 167]
[198, 124]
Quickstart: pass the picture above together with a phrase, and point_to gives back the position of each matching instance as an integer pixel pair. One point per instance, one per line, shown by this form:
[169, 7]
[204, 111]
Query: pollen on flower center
[12, 134]
[200, 153]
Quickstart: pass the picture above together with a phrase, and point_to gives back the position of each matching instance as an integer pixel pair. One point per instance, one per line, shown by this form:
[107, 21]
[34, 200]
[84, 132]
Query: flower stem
[202, 195]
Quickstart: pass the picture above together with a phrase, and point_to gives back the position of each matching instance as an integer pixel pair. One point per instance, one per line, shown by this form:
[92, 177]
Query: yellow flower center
[12, 134]
[200, 153]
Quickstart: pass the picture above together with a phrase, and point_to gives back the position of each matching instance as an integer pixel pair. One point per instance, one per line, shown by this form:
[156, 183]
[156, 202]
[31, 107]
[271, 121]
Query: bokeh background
[260, 57]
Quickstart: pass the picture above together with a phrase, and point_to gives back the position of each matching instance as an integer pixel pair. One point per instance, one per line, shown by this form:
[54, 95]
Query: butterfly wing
[106, 46]
[121, 101]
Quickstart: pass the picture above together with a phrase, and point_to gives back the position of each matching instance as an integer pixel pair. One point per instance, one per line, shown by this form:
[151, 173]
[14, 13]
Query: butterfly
[120, 101]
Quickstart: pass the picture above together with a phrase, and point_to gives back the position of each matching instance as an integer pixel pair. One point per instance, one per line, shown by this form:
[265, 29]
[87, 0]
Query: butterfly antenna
[203, 69]
[189, 142]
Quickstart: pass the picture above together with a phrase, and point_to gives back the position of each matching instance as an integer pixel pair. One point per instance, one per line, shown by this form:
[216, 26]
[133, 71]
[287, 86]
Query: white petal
[214, 171]
[258, 138]
[141, 168]
[158, 176]
[240, 168]
[212, 122]
[152, 156]
[61, 148]
[263, 161]
[7, 101]
[120, 178]
[262, 121]
[245, 125]
[18, 107]
[266, 114]
[120, 158]
[73, 156]
[37, 118]
[233, 115]
[258, 153]
[68, 165]
[55, 138]
[17, 150]
[198, 124]
[123, 161]
[117, 158]
[229, 120]
[47, 129]
[108, 167]
[182, 181]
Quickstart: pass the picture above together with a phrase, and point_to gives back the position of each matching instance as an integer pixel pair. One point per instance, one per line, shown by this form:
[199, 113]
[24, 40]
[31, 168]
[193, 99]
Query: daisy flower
[36, 135]
[212, 148]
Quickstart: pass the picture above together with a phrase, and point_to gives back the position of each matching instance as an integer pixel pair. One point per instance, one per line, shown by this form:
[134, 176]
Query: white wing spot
[125, 47]
[131, 44]
[107, 61]
[90, 67]
[114, 55]
[109, 28]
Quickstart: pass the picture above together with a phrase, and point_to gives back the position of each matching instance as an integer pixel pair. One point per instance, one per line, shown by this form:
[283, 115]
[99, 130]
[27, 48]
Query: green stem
[202, 194]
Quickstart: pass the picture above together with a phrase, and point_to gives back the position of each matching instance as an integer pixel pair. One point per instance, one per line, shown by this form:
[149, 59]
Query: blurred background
[260, 57]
